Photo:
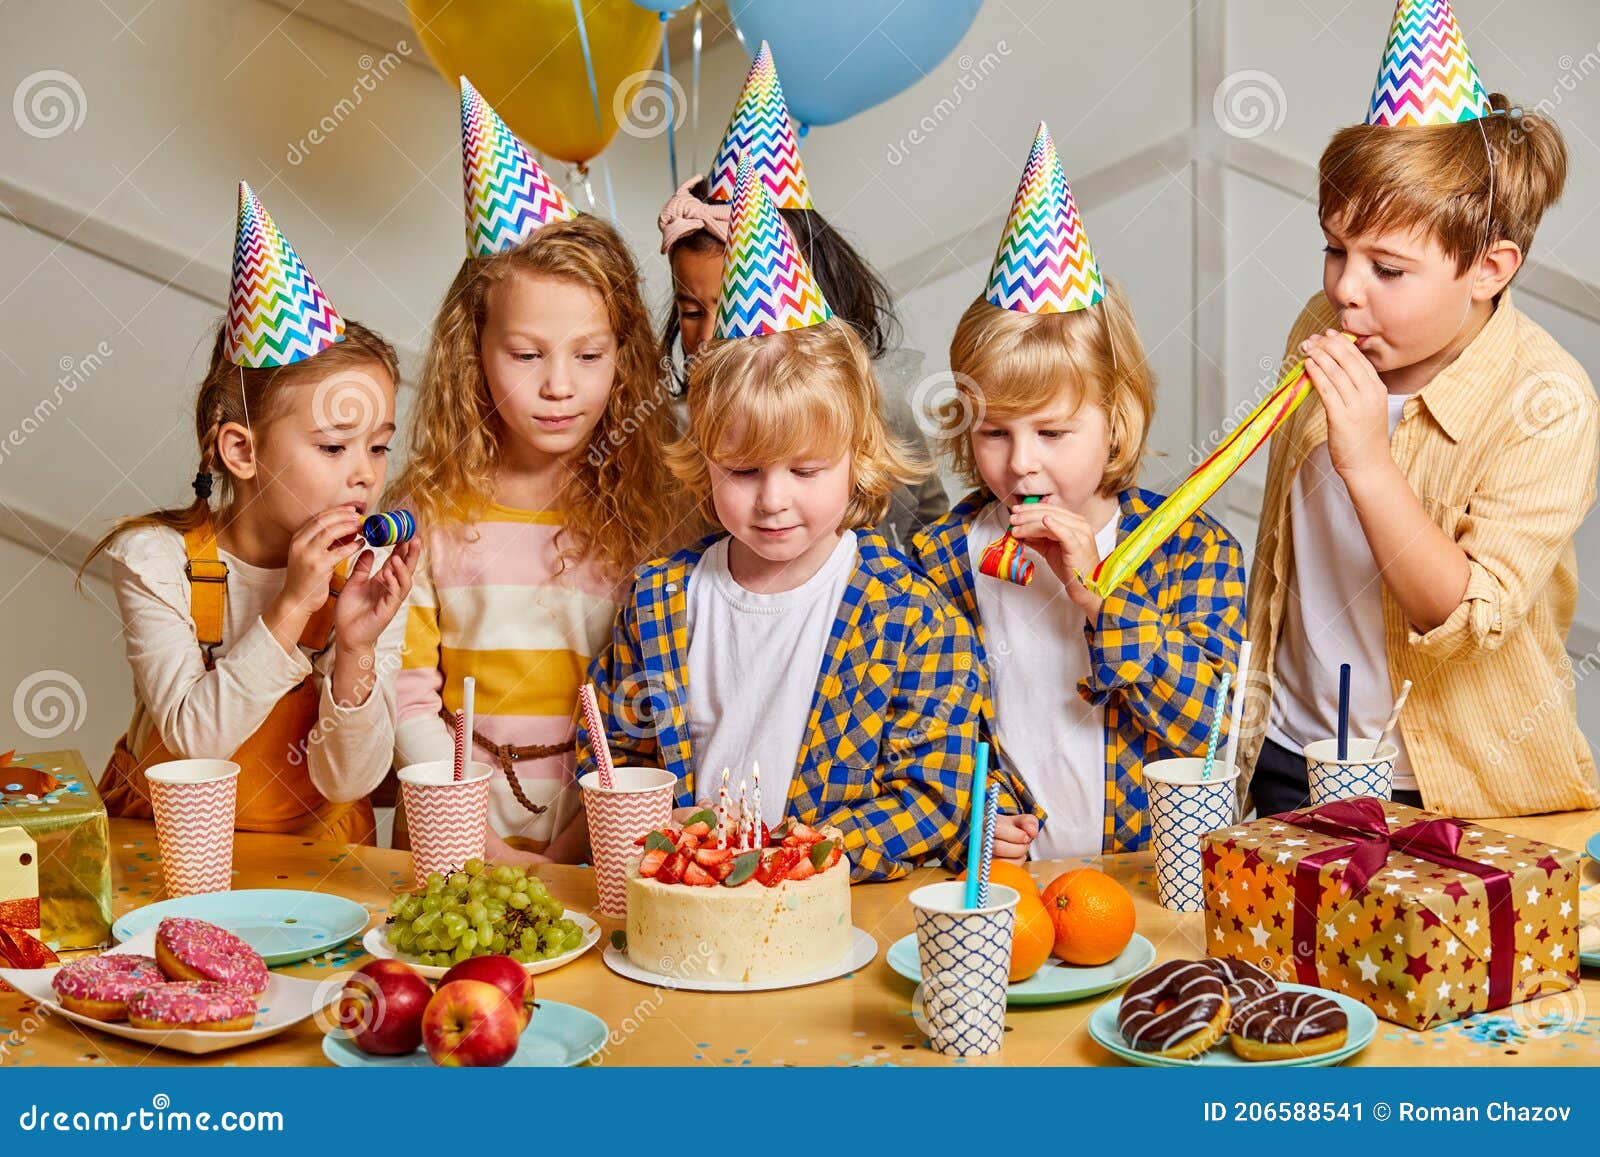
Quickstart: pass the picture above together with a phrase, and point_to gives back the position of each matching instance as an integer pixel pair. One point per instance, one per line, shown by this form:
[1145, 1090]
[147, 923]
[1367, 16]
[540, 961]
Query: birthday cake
[703, 907]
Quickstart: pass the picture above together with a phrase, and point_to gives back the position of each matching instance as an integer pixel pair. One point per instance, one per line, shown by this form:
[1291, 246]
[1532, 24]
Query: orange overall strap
[208, 585]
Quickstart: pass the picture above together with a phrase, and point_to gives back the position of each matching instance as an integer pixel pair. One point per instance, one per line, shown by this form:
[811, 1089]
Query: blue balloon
[665, 7]
[838, 57]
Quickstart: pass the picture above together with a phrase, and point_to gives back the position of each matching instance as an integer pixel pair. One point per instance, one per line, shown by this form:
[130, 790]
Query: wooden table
[862, 1019]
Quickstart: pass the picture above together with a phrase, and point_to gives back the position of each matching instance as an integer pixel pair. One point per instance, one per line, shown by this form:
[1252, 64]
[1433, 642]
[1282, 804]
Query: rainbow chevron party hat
[766, 284]
[761, 130]
[508, 194]
[1044, 263]
[1426, 78]
[276, 313]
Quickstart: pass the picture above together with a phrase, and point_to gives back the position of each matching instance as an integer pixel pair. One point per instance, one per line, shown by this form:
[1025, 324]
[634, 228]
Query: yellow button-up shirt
[1501, 447]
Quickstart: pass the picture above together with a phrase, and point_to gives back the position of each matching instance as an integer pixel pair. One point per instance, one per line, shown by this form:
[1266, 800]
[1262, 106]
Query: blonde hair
[1009, 364]
[792, 394]
[617, 503]
[237, 394]
[1377, 178]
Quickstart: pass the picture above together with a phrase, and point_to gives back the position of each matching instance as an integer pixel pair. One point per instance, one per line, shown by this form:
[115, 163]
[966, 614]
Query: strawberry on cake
[703, 907]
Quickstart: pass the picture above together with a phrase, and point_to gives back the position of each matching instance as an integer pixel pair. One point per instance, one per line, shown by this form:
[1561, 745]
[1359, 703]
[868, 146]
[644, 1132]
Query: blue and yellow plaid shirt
[890, 743]
[1156, 654]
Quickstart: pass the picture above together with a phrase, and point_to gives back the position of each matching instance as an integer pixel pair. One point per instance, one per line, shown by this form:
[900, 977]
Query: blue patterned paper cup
[1367, 772]
[1184, 807]
[965, 957]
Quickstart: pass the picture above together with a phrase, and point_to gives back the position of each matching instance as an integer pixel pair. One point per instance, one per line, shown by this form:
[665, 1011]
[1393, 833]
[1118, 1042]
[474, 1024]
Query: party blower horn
[1003, 558]
[1248, 437]
[390, 528]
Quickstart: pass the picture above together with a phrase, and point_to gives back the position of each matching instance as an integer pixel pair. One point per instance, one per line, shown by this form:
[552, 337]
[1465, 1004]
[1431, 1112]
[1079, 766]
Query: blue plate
[558, 1036]
[1363, 1026]
[1594, 847]
[1055, 982]
[282, 924]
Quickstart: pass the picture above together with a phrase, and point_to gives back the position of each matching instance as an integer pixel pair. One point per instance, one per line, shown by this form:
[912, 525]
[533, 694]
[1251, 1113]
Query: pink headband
[684, 213]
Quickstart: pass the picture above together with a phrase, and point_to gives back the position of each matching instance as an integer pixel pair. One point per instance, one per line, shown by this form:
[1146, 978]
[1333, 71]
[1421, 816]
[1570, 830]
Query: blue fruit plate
[282, 924]
[558, 1036]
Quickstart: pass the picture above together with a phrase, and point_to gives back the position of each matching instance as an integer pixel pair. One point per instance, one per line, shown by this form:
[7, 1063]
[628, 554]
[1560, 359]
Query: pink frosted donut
[194, 950]
[192, 1004]
[101, 985]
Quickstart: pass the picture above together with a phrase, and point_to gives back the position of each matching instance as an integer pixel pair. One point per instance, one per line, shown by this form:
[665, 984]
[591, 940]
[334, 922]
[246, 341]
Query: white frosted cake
[697, 911]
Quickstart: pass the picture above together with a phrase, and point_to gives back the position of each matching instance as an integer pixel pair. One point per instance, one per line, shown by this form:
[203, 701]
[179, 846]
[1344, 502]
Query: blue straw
[989, 814]
[980, 780]
[1217, 713]
[1344, 711]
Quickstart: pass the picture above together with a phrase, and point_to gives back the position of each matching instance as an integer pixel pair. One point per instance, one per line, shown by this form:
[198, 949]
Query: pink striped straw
[460, 754]
[597, 737]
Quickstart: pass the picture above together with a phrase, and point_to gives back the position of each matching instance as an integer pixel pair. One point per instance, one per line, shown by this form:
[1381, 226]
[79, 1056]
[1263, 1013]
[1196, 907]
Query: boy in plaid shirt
[1054, 400]
[796, 639]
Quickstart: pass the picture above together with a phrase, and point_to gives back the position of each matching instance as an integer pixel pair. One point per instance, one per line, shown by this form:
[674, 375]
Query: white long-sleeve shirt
[208, 714]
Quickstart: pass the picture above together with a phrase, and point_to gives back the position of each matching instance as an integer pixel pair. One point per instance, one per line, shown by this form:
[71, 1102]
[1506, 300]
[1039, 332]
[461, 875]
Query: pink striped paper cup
[638, 800]
[448, 818]
[194, 802]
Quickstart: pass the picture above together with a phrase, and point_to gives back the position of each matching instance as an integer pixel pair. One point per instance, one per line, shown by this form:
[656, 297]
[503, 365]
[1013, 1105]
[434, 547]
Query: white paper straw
[1394, 717]
[1231, 753]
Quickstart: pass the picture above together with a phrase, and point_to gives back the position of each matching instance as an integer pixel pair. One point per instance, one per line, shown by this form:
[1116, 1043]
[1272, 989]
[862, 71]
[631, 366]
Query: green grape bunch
[481, 911]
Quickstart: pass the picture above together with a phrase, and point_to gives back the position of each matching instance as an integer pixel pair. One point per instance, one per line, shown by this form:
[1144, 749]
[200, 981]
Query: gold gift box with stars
[1416, 945]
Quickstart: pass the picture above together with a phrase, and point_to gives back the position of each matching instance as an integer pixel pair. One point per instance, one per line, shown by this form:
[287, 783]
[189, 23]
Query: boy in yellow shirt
[1419, 515]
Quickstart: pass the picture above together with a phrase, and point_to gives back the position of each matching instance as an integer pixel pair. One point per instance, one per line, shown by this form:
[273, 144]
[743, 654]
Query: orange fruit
[1092, 916]
[1034, 935]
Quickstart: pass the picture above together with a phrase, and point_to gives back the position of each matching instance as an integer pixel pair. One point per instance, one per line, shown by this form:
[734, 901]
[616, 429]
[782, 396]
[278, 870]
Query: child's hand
[1355, 399]
[316, 548]
[497, 851]
[1066, 542]
[369, 601]
[1013, 835]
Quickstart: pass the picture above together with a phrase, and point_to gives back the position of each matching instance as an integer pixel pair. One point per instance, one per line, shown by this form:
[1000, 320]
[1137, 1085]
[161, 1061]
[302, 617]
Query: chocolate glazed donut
[1243, 980]
[1284, 1025]
[1178, 1009]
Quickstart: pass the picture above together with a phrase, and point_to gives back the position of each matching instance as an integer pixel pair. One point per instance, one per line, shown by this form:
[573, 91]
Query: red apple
[381, 1008]
[502, 972]
[471, 1024]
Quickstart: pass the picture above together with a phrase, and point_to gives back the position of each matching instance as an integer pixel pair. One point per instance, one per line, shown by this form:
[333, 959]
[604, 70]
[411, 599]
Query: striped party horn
[389, 529]
[1003, 558]
[1206, 480]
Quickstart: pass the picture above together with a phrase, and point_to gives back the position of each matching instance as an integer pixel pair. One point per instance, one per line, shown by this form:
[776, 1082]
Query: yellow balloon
[526, 58]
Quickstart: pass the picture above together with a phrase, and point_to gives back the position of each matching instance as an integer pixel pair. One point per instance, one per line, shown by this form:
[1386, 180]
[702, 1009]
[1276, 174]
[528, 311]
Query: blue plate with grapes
[558, 1036]
[479, 910]
[283, 924]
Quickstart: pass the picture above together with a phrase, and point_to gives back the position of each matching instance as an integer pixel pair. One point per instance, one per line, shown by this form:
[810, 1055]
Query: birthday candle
[722, 811]
[744, 810]
[755, 841]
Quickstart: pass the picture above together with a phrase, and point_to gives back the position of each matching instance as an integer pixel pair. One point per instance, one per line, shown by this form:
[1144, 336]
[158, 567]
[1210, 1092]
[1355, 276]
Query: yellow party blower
[1206, 480]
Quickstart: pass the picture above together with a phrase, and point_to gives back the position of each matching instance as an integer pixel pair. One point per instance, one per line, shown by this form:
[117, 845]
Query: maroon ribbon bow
[1363, 823]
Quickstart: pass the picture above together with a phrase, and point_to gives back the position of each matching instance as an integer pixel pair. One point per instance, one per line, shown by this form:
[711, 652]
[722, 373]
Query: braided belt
[507, 754]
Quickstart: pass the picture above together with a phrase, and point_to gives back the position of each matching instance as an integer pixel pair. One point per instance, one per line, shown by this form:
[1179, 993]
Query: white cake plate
[862, 949]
